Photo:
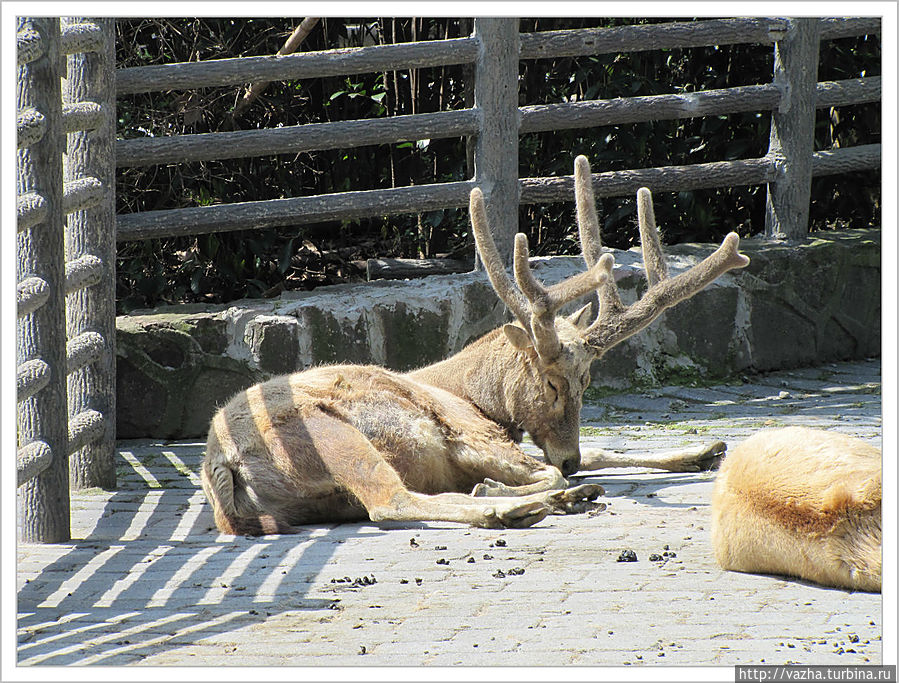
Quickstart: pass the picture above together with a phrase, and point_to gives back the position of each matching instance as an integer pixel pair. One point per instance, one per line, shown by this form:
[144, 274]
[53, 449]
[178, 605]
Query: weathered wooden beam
[662, 179]
[43, 501]
[31, 460]
[215, 72]
[83, 350]
[292, 211]
[31, 210]
[641, 37]
[31, 376]
[849, 27]
[846, 160]
[84, 36]
[621, 110]
[82, 116]
[792, 136]
[84, 271]
[31, 125]
[847, 92]
[407, 268]
[82, 193]
[29, 46]
[85, 428]
[496, 145]
[293, 139]
[31, 294]
[91, 251]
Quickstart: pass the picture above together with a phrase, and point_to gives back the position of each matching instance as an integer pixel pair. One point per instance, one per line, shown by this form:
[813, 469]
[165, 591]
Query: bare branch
[290, 46]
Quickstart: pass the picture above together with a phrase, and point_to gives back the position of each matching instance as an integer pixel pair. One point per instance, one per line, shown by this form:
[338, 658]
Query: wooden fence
[81, 262]
[65, 268]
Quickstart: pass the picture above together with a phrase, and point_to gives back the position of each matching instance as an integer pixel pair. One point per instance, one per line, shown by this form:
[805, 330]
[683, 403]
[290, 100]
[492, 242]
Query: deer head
[556, 352]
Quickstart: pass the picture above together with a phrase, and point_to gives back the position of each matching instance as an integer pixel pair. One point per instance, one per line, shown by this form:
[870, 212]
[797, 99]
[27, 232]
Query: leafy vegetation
[250, 263]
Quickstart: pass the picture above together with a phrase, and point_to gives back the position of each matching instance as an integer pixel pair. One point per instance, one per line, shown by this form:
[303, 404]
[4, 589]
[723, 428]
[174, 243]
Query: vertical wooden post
[43, 502]
[793, 130]
[91, 231]
[496, 148]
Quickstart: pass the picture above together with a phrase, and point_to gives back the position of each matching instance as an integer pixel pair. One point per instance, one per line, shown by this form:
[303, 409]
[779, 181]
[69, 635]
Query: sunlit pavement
[149, 581]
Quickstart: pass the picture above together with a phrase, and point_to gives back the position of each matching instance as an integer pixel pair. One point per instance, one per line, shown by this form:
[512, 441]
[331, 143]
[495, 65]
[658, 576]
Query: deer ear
[520, 339]
[581, 317]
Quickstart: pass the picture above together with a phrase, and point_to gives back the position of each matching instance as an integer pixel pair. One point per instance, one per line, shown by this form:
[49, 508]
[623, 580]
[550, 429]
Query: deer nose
[570, 466]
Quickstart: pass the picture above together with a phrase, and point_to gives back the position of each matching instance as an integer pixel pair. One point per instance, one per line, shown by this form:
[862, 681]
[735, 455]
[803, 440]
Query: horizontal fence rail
[293, 139]
[695, 176]
[342, 62]
[348, 205]
[677, 34]
[535, 118]
[531, 119]
[297, 210]
[546, 44]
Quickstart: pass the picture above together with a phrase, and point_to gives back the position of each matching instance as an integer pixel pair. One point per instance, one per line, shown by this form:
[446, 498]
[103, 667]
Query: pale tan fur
[801, 502]
[349, 442]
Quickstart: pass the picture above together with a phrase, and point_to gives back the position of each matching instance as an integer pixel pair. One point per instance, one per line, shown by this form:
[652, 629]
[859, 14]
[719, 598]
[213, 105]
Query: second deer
[351, 442]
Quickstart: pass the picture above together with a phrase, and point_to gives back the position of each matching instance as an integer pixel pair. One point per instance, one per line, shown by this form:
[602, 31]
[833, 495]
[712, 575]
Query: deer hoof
[517, 516]
[703, 459]
[576, 499]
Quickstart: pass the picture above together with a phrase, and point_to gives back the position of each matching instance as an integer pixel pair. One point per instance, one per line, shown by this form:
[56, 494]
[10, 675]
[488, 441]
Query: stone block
[800, 304]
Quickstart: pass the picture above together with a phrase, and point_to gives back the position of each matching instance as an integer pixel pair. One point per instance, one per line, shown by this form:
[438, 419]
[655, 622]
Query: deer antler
[616, 322]
[533, 304]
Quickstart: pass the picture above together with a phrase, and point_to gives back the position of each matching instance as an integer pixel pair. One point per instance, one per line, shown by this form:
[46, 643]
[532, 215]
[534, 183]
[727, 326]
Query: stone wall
[795, 305]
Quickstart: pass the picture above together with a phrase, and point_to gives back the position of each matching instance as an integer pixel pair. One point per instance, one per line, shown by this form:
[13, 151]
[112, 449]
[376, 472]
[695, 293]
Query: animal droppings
[627, 556]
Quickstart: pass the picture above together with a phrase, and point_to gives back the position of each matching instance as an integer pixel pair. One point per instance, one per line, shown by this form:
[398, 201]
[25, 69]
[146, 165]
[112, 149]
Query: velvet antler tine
[609, 329]
[492, 261]
[543, 326]
[609, 299]
[587, 220]
[653, 259]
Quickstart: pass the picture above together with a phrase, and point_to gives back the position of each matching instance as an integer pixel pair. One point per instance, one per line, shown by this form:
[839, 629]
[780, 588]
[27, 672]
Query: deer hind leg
[360, 469]
[693, 459]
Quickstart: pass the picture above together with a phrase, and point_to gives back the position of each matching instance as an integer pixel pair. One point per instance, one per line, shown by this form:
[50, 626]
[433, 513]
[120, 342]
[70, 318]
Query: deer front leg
[547, 478]
[694, 459]
[359, 468]
[567, 501]
[526, 478]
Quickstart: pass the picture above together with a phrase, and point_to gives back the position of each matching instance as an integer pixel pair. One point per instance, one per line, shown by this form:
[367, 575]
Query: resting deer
[350, 442]
[801, 502]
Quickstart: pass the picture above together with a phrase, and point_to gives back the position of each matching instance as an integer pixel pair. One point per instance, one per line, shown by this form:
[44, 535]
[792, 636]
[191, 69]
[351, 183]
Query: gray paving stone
[149, 582]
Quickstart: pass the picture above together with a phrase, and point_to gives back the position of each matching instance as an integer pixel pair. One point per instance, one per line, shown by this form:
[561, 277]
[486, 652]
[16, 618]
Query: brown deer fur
[801, 502]
[351, 442]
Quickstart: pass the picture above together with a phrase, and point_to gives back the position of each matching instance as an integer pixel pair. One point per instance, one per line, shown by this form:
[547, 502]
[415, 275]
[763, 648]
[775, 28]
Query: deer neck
[479, 374]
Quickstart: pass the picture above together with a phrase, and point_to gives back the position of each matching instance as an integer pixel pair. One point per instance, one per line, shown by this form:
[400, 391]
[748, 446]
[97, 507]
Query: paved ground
[149, 582]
